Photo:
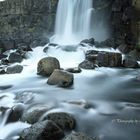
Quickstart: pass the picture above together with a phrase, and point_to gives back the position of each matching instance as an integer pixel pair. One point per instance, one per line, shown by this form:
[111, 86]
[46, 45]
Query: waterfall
[73, 21]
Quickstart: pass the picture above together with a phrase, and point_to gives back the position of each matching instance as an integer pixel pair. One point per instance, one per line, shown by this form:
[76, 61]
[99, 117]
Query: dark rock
[24, 47]
[124, 48]
[74, 70]
[130, 63]
[46, 130]
[5, 87]
[15, 57]
[64, 120]
[61, 78]
[78, 136]
[135, 54]
[4, 61]
[87, 65]
[39, 42]
[3, 56]
[2, 71]
[109, 59]
[47, 65]
[108, 43]
[90, 41]
[7, 44]
[91, 55]
[16, 113]
[33, 114]
[14, 69]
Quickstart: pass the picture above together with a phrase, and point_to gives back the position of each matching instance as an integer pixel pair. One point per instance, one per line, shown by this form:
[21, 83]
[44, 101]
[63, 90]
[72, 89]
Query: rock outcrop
[25, 21]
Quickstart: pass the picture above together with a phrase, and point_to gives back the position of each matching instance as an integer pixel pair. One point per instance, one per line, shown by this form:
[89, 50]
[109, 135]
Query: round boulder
[46, 130]
[64, 120]
[61, 78]
[47, 65]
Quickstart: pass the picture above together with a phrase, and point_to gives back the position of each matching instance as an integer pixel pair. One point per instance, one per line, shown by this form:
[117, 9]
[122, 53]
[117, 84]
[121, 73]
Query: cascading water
[73, 21]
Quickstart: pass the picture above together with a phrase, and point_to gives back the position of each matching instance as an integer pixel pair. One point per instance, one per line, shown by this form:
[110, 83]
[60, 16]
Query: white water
[73, 21]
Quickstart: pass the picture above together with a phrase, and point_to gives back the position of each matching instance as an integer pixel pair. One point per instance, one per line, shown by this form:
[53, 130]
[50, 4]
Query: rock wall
[26, 20]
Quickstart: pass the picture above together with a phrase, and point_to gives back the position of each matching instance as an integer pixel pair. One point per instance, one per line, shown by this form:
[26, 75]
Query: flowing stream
[105, 102]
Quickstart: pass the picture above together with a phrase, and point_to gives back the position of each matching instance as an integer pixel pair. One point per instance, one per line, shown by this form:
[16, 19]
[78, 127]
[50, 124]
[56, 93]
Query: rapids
[109, 94]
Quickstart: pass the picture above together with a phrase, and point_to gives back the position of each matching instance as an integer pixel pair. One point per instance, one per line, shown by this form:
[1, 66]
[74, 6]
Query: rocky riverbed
[83, 93]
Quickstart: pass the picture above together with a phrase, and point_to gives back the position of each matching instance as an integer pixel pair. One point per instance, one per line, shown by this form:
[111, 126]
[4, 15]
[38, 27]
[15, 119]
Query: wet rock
[25, 97]
[16, 113]
[39, 42]
[109, 59]
[64, 120]
[74, 70]
[5, 87]
[15, 57]
[2, 56]
[90, 41]
[91, 55]
[46, 130]
[24, 47]
[61, 78]
[2, 71]
[130, 63]
[78, 136]
[14, 69]
[135, 54]
[108, 43]
[4, 61]
[124, 48]
[87, 65]
[33, 114]
[47, 65]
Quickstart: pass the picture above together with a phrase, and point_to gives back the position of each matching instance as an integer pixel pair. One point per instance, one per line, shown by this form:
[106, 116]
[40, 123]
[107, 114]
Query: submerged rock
[78, 136]
[64, 120]
[46, 130]
[74, 70]
[109, 59]
[47, 65]
[87, 65]
[61, 78]
[14, 69]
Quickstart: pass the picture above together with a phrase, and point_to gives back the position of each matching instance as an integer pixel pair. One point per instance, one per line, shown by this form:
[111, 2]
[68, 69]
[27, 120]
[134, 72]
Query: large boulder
[47, 65]
[15, 57]
[109, 59]
[64, 120]
[78, 136]
[14, 69]
[61, 78]
[46, 130]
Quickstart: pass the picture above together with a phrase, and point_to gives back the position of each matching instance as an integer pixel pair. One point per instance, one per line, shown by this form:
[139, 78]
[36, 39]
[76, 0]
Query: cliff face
[26, 20]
